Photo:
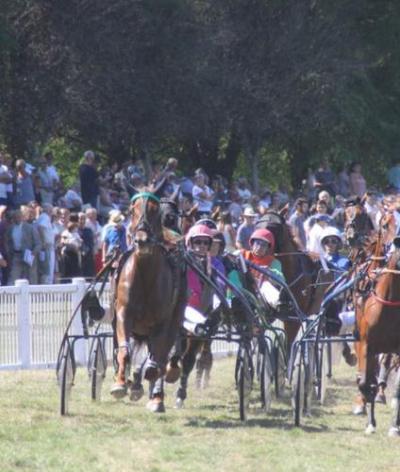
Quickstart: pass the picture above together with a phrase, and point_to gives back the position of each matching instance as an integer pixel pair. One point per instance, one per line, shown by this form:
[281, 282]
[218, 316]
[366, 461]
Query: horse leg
[204, 365]
[349, 357]
[384, 368]
[188, 361]
[173, 370]
[394, 430]
[359, 407]
[368, 388]
[136, 386]
[119, 389]
[156, 402]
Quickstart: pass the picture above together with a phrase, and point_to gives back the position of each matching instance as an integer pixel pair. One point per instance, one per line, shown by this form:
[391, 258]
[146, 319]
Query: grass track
[205, 436]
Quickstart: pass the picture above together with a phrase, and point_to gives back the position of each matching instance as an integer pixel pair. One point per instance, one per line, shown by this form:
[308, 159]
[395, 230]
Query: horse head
[355, 226]
[274, 222]
[146, 223]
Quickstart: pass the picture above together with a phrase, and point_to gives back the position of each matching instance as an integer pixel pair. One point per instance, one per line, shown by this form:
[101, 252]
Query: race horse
[150, 298]
[303, 274]
[378, 324]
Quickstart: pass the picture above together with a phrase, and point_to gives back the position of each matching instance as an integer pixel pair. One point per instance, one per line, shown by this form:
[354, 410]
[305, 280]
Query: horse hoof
[172, 374]
[370, 429]
[394, 432]
[179, 403]
[152, 373]
[136, 393]
[380, 398]
[359, 410]
[156, 405]
[118, 391]
[350, 358]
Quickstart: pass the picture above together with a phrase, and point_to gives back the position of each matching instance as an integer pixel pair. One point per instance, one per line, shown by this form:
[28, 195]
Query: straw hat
[248, 211]
[115, 216]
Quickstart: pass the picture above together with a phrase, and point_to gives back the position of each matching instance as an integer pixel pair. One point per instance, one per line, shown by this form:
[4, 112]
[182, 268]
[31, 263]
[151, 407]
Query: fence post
[24, 323]
[76, 328]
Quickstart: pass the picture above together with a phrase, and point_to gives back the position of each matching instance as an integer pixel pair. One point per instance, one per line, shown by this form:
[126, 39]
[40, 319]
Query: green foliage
[274, 168]
[150, 78]
[67, 158]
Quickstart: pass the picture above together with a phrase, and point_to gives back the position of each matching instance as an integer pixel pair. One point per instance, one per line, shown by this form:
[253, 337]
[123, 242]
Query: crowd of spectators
[50, 234]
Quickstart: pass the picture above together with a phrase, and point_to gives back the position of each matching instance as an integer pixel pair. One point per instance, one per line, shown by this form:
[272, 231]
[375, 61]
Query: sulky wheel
[65, 378]
[266, 379]
[298, 381]
[97, 367]
[322, 371]
[279, 367]
[244, 381]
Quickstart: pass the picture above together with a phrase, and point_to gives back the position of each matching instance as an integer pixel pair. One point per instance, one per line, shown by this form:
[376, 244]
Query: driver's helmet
[264, 235]
[199, 231]
[331, 232]
[207, 222]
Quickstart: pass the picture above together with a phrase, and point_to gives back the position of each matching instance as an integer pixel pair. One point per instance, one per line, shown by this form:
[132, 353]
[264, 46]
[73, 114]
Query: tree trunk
[252, 159]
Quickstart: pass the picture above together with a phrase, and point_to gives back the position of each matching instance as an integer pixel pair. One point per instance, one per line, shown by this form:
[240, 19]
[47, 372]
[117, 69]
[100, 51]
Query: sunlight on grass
[206, 435]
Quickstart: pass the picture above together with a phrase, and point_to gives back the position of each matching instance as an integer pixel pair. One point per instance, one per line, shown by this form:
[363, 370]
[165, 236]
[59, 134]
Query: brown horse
[358, 227]
[150, 297]
[378, 326]
[303, 274]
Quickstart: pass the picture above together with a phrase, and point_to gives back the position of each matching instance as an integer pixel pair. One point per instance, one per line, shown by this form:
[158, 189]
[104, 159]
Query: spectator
[51, 170]
[4, 225]
[47, 236]
[202, 196]
[235, 208]
[5, 181]
[46, 183]
[89, 179]
[325, 196]
[243, 190]
[69, 252]
[246, 229]
[224, 225]
[24, 186]
[325, 178]
[296, 222]
[94, 225]
[114, 235]
[314, 236]
[72, 199]
[23, 247]
[87, 248]
[358, 185]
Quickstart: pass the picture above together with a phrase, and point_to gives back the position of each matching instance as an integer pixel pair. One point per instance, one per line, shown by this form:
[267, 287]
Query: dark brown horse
[378, 326]
[303, 274]
[150, 296]
[358, 226]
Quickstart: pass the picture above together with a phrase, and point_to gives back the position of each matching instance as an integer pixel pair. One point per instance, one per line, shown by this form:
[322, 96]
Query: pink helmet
[199, 231]
[264, 235]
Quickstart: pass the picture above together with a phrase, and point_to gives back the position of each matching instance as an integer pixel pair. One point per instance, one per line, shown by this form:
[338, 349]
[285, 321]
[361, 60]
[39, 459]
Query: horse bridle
[143, 223]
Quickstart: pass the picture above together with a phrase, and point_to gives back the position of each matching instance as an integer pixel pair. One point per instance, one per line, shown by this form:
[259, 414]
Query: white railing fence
[33, 319]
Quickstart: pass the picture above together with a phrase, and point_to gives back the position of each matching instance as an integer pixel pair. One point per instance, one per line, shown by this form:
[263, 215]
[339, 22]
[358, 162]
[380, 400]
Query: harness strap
[385, 302]
[150, 195]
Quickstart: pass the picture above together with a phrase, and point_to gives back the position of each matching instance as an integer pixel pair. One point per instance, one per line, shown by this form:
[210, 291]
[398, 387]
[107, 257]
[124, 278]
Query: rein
[383, 301]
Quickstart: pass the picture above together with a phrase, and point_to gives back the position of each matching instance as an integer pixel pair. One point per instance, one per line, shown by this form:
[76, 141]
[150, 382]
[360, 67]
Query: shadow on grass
[285, 423]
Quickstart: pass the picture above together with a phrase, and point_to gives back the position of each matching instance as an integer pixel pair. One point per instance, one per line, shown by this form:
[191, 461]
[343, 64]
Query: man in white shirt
[5, 180]
[202, 195]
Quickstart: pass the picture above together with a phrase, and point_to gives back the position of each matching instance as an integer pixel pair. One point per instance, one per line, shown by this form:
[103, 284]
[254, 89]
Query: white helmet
[331, 231]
